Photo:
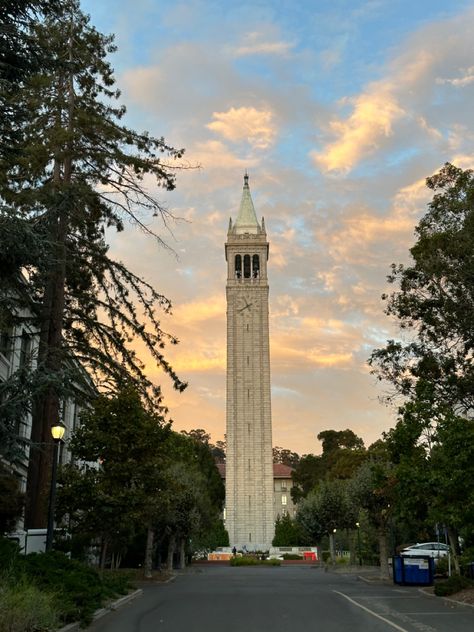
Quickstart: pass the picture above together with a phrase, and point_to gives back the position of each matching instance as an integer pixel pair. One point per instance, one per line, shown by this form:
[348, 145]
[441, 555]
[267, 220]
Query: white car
[429, 549]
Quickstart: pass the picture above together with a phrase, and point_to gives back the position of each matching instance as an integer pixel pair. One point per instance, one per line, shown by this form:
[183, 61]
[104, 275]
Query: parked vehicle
[430, 549]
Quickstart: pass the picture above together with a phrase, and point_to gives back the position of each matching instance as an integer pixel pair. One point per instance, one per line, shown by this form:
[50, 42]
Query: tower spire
[246, 221]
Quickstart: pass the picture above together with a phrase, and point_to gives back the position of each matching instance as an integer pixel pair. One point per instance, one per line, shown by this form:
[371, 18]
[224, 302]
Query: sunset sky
[339, 110]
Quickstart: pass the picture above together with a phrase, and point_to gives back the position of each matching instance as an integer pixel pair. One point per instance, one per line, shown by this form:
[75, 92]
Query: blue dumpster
[413, 571]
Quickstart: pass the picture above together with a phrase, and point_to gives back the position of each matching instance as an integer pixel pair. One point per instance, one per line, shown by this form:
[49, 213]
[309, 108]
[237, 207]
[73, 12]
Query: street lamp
[358, 543]
[57, 431]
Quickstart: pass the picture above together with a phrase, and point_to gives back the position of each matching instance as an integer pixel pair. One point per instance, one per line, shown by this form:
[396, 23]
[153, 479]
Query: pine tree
[75, 170]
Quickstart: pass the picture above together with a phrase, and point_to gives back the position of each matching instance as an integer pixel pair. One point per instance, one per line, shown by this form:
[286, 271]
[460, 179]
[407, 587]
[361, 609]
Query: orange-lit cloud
[372, 119]
[245, 123]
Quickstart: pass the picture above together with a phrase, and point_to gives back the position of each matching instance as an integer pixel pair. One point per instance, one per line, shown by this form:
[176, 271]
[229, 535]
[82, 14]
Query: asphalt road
[283, 599]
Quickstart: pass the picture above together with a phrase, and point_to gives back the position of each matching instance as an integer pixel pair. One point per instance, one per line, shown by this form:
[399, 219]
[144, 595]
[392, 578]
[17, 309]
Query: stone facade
[249, 480]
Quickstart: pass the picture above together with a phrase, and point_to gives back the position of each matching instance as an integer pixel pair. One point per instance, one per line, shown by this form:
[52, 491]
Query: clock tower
[249, 468]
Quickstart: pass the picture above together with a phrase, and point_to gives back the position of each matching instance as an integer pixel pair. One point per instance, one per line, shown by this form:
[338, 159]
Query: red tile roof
[279, 470]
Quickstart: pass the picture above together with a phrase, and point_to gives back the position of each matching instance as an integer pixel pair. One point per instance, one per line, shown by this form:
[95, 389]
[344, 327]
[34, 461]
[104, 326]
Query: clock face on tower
[244, 304]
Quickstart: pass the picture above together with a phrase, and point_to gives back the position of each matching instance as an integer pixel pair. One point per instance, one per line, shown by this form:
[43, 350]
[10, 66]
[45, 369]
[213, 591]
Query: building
[249, 477]
[18, 351]
[282, 483]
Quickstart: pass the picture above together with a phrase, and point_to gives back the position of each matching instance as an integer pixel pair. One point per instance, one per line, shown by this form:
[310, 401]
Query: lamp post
[358, 543]
[57, 431]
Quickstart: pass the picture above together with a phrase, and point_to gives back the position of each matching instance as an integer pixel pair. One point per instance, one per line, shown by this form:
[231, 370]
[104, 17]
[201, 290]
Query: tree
[339, 439]
[343, 452]
[326, 510]
[121, 496]
[73, 171]
[12, 500]
[451, 498]
[286, 457]
[287, 531]
[372, 489]
[434, 301]
[306, 475]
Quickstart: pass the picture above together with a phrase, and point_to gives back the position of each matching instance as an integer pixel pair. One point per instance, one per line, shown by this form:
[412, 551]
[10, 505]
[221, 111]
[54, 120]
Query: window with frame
[284, 499]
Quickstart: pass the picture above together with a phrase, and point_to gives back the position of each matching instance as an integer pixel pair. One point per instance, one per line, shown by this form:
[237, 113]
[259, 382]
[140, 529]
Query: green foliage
[24, 607]
[9, 552]
[343, 452]
[452, 585]
[11, 500]
[214, 536]
[327, 508]
[248, 560]
[287, 532]
[73, 170]
[326, 556]
[286, 457]
[78, 588]
[291, 556]
[55, 588]
[116, 499]
[434, 300]
[339, 439]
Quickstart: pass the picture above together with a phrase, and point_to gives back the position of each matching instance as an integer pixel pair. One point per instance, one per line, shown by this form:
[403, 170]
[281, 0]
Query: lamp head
[57, 430]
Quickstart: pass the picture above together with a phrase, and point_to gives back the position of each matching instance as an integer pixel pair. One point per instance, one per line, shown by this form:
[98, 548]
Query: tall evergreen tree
[75, 170]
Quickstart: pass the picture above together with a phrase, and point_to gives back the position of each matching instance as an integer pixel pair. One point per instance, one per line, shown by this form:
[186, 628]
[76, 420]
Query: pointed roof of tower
[246, 221]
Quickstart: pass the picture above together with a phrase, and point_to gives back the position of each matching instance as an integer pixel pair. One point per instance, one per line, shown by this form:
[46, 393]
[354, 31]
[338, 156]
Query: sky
[339, 110]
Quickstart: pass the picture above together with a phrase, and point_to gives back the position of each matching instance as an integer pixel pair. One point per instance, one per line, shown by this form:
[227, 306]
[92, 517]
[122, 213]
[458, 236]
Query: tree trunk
[454, 544]
[383, 547]
[332, 548]
[149, 553]
[50, 357]
[103, 555]
[171, 547]
[182, 556]
[352, 547]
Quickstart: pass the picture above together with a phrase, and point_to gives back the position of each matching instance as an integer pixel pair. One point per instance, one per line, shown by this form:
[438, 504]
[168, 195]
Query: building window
[284, 499]
[238, 266]
[247, 266]
[283, 486]
[255, 266]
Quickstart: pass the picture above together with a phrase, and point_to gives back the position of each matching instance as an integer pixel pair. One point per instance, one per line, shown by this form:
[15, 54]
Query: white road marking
[374, 614]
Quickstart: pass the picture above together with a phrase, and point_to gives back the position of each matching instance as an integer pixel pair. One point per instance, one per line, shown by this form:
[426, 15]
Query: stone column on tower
[249, 469]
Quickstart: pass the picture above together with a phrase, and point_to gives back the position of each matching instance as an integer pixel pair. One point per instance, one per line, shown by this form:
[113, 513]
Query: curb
[447, 599]
[72, 627]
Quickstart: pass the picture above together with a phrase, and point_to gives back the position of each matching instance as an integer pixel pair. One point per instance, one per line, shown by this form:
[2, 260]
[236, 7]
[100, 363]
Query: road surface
[283, 599]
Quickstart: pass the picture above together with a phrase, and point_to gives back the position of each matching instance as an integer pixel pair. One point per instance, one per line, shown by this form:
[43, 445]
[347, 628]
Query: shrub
[342, 560]
[441, 566]
[452, 585]
[291, 556]
[248, 560]
[24, 608]
[8, 552]
[326, 555]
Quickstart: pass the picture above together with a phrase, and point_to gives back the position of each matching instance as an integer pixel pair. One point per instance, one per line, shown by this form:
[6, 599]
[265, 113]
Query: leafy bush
[342, 560]
[326, 555]
[79, 588]
[24, 608]
[452, 585]
[8, 552]
[248, 560]
[441, 566]
[291, 556]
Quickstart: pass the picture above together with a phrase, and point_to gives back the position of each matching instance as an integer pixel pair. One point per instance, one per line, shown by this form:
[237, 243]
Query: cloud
[245, 123]
[256, 44]
[466, 78]
[398, 110]
[372, 119]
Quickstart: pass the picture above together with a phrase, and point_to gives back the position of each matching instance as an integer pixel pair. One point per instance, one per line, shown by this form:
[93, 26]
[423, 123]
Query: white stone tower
[249, 469]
